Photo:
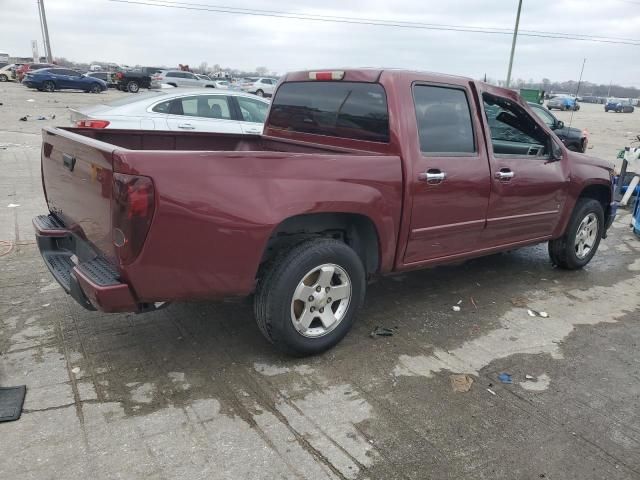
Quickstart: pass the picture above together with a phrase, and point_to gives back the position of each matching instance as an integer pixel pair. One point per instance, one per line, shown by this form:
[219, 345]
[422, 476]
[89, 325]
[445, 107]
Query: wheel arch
[355, 229]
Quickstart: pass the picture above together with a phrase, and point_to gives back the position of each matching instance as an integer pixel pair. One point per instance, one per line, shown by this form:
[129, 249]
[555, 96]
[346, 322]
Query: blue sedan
[51, 79]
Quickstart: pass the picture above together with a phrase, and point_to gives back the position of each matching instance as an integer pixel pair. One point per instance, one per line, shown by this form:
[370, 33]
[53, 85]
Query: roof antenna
[577, 91]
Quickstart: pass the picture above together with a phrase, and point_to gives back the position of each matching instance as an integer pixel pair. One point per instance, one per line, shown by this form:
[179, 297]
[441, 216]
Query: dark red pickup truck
[358, 173]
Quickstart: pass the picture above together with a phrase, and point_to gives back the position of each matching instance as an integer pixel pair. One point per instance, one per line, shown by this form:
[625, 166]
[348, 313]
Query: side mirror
[559, 125]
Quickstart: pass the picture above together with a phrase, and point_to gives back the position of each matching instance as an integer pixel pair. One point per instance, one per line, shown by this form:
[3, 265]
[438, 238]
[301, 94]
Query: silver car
[174, 109]
[180, 78]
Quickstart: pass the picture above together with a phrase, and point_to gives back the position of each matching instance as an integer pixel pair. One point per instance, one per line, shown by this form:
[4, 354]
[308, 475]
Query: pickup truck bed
[196, 226]
[358, 173]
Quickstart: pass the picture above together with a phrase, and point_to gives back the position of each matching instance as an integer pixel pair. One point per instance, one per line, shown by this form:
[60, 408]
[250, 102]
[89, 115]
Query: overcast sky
[137, 34]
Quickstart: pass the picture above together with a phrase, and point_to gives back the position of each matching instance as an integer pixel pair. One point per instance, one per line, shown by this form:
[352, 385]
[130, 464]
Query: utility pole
[609, 91]
[45, 31]
[513, 43]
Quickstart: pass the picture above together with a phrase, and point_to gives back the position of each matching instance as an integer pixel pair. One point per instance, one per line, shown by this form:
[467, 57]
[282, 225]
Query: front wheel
[133, 86]
[48, 86]
[3, 78]
[308, 299]
[582, 237]
[95, 88]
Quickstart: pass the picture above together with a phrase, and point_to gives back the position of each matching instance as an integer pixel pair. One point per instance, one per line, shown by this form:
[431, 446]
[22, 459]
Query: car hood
[569, 132]
[591, 161]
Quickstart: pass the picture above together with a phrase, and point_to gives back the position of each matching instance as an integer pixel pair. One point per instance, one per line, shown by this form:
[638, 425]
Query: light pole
[45, 31]
[513, 43]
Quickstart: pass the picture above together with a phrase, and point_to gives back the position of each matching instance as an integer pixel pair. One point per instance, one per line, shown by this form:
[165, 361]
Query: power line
[377, 22]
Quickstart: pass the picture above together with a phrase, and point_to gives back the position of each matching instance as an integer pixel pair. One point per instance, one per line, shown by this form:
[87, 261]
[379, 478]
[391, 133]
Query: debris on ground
[529, 377]
[534, 313]
[13, 205]
[382, 332]
[31, 100]
[491, 391]
[75, 370]
[456, 308]
[23, 119]
[461, 382]
[505, 378]
[473, 302]
[519, 302]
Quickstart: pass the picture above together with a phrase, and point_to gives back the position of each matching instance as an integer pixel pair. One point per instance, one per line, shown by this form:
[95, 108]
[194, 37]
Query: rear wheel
[95, 88]
[308, 299]
[260, 93]
[3, 78]
[133, 86]
[48, 86]
[582, 237]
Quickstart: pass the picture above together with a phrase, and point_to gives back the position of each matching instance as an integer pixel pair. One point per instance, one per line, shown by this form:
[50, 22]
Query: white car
[178, 110]
[261, 86]
[179, 78]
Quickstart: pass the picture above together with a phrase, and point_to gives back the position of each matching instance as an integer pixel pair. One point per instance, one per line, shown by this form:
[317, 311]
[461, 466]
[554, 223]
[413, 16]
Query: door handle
[186, 126]
[433, 176]
[504, 174]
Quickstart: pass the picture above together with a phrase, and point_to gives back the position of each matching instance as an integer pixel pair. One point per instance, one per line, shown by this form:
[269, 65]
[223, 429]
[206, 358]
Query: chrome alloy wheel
[586, 235]
[320, 301]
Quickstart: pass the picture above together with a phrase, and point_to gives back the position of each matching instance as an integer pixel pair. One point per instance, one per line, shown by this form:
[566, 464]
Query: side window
[165, 107]
[444, 120]
[211, 106]
[190, 76]
[267, 81]
[171, 74]
[252, 110]
[215, 106]
[544, 116]
[513, 130]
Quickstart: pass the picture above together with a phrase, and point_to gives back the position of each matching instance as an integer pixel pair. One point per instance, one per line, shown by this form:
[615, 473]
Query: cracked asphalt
[193, 391]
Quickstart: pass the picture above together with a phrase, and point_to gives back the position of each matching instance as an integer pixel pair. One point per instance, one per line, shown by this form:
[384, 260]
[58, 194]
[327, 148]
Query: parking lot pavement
[193, 391]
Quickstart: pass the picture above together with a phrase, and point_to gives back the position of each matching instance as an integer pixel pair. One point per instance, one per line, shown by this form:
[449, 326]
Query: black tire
[563, 250]
[549, 108]
[573, 147]
[48, 86]
[563, 108]
[3, 78]
[259, 93]
[133, 86]
[95, 88]
[173, 85]
[274, 295]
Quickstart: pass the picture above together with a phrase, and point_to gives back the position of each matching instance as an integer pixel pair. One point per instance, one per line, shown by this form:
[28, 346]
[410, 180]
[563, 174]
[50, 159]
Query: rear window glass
[337, 109]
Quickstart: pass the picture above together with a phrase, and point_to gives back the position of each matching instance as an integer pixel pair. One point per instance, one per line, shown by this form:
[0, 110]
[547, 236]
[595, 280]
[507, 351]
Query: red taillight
[92, 123]
[332, 75]
[131, 210]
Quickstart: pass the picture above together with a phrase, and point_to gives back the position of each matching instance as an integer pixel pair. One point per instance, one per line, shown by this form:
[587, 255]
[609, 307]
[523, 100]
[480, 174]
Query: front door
[528, 182]
[449, 183]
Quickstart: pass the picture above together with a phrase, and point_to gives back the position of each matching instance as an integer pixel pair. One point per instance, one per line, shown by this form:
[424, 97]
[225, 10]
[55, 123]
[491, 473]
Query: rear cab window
[352, 110]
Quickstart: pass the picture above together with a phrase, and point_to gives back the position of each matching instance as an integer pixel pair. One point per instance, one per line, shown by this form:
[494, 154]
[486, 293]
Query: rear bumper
[89, 278]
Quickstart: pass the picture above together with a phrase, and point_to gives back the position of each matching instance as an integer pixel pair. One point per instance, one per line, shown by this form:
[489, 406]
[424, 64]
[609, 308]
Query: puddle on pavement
[520, 333]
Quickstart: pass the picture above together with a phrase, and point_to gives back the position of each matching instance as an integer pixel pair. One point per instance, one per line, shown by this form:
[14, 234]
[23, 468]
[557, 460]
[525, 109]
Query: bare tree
[262, 71]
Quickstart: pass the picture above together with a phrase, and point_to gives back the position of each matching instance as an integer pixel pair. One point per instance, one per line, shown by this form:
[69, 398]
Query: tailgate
[77, 180]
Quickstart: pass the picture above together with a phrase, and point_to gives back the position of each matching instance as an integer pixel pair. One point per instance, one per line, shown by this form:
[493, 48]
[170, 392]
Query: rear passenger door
[529, 182]
[450, 179]
[200, 113]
